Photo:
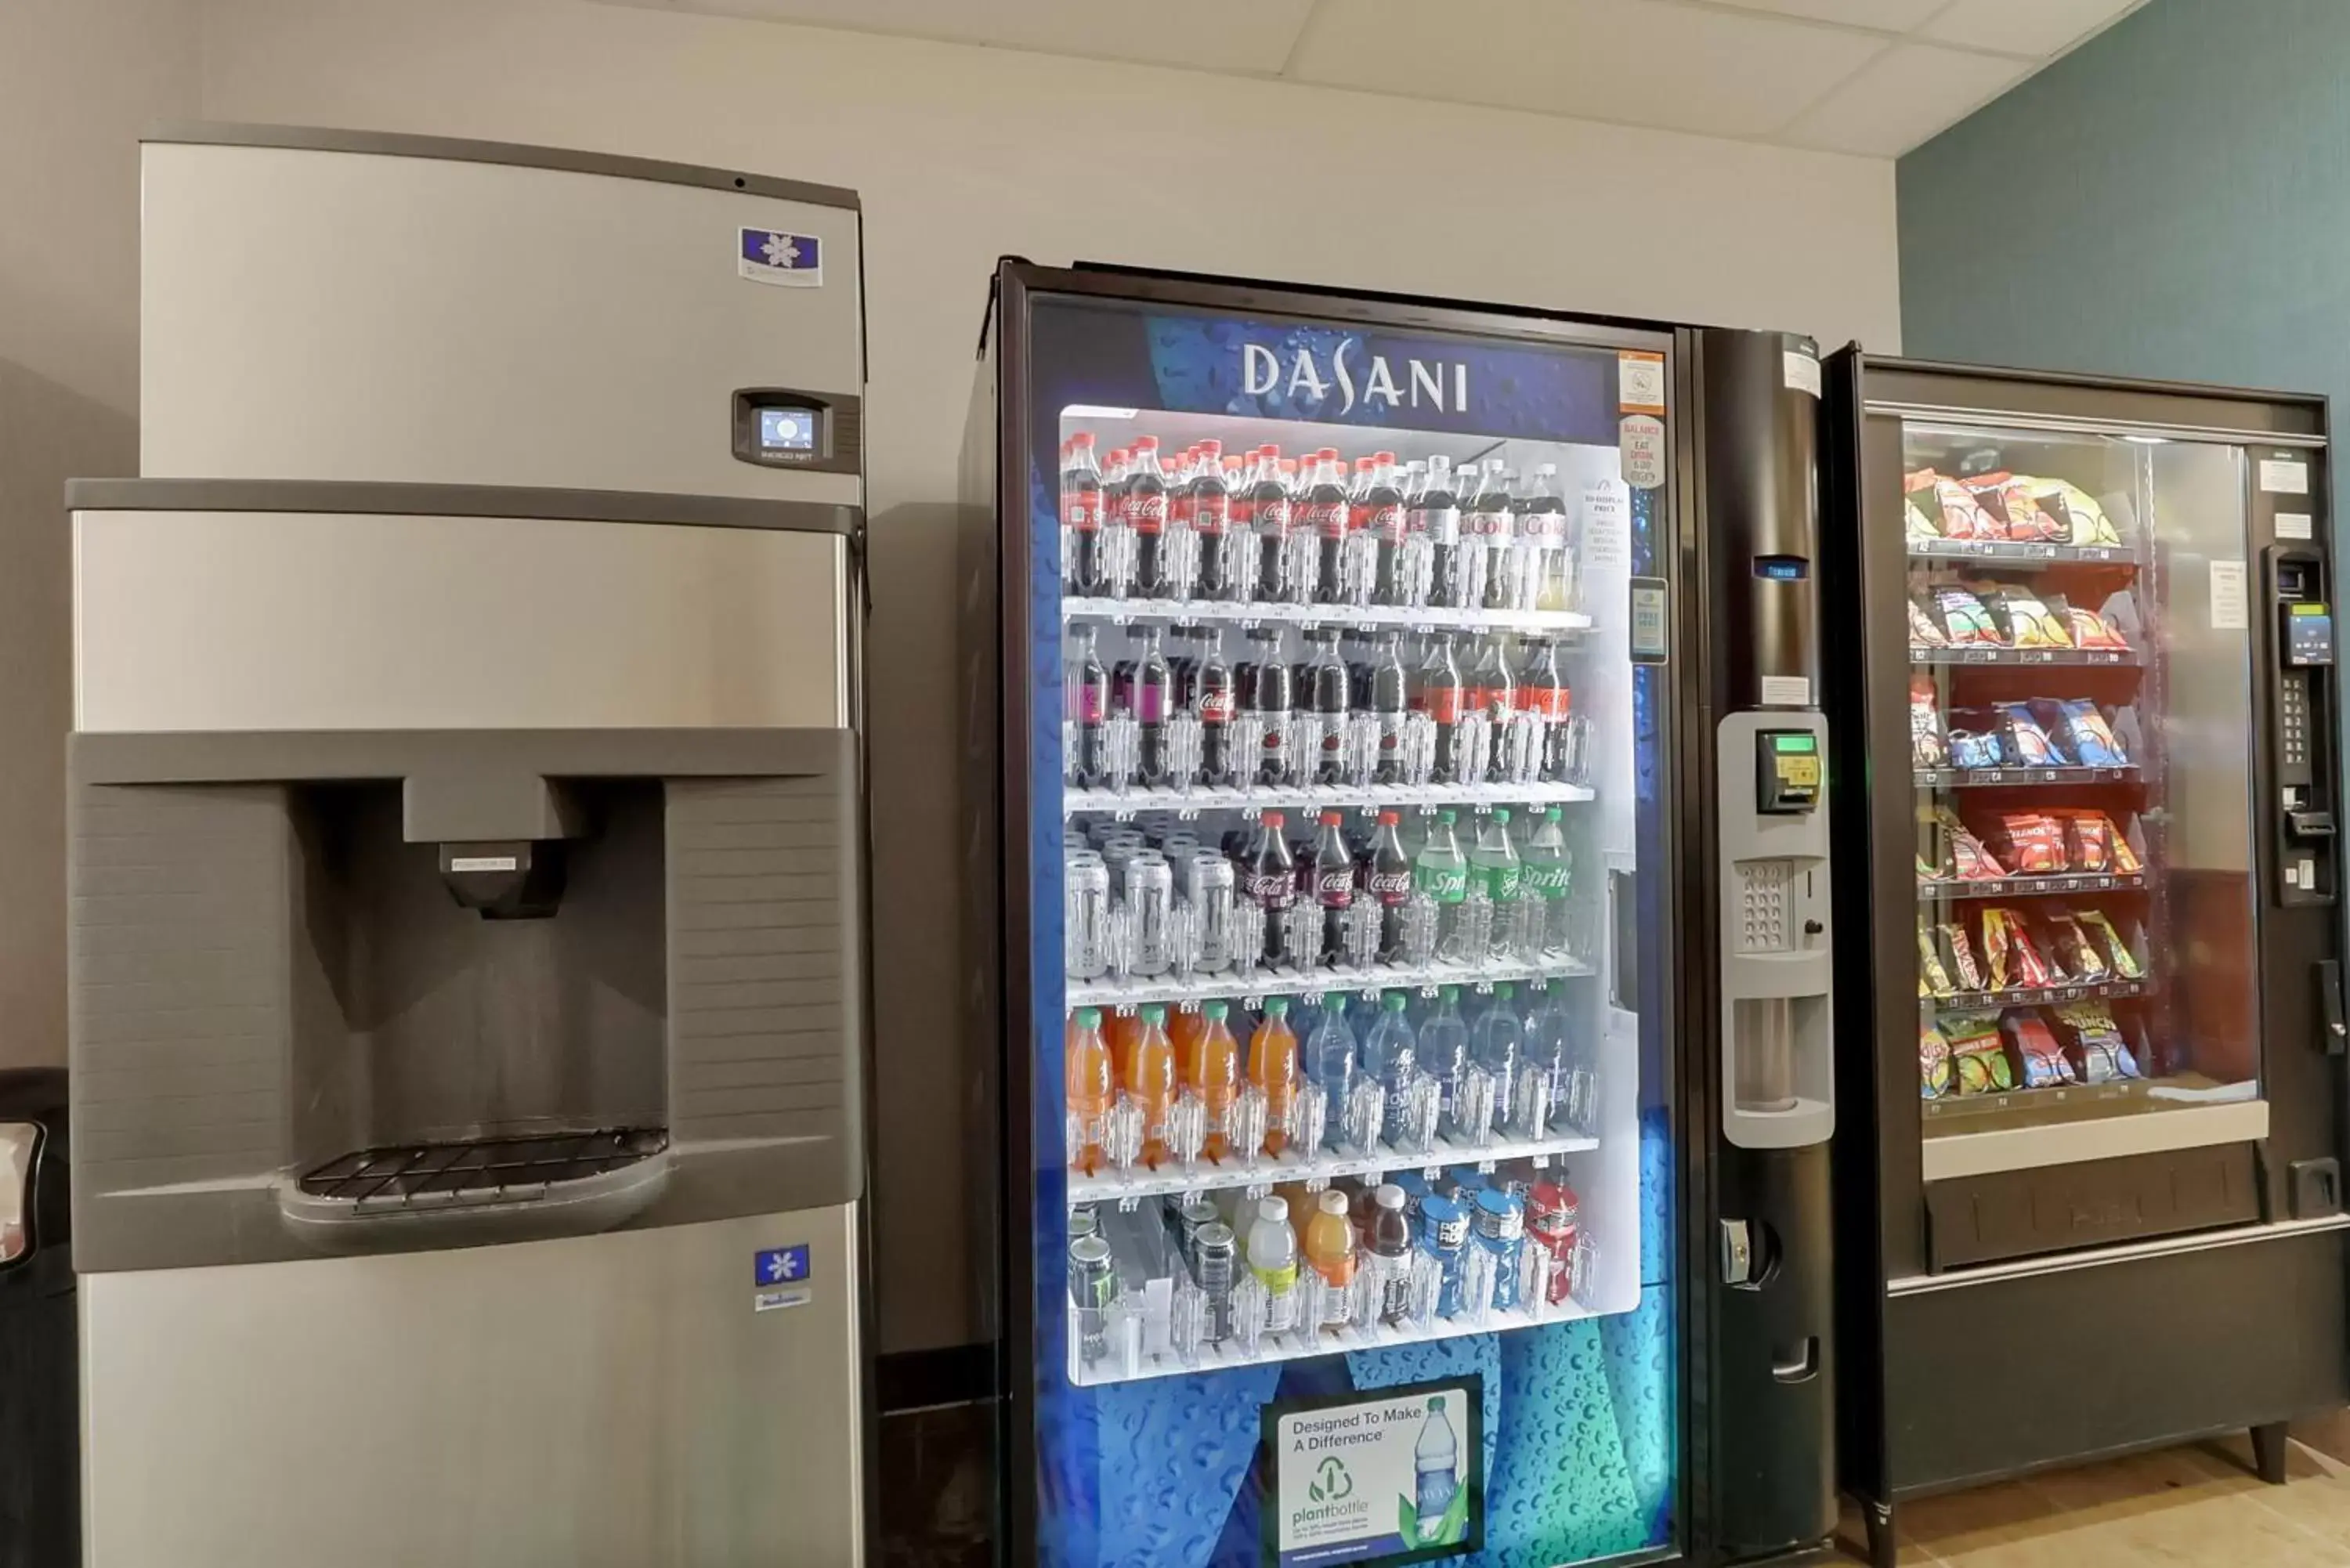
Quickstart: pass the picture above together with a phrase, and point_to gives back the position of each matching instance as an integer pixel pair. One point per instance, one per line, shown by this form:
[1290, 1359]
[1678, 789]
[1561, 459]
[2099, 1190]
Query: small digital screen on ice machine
[787, 429]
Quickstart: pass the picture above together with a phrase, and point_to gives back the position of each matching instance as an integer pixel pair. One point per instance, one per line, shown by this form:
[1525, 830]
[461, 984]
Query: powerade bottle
[1443, 1236]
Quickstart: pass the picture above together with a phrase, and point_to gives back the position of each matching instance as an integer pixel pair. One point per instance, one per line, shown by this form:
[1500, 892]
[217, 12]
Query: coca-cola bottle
[1334, 884]
[1387, 878]
[1441, 694]
[1269, 694]
[1146, 515]
[1391, 696]
[1492, 692]
[1384, 524]
[1208, 509]
[1211, 685]
[1084, 571]
[1117, 531]
[1542, 692]
[1546, 577]
[1091, 692]
[1269, 880]
[1326, 694]
[1175, 536]
[1273, 518]
[1434, 518]
[1494, 526]
[1322, 511]
[1297, 541]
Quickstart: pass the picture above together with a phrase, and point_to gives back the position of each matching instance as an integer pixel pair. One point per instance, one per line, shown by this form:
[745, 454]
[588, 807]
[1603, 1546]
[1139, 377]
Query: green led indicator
[1795, 742]
[2309, 609]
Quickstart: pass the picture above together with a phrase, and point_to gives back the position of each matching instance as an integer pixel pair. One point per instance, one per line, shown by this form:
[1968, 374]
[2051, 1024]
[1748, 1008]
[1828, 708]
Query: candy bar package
[1963, 516]
[2090, 630]
[1965, 621]
[2010, 958]
[1961, 956]
[1979, 1063]
[1924, 631]
[2095, 1042]
[2086, 734]
[1927, 748]
[2032, 844]
[2023, 741]
[1974, 749]
[1933, 1063]
[1933, 980]
[2100, 928]
[2074, 949]
[2085, 522]
[2026, 618]
[1918, 507]
[2038, 1059]
[1974, 862]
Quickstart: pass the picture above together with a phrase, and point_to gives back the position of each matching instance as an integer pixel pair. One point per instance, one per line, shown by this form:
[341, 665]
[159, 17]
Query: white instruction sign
[2293, 525]
[1800, 371]
[1381, 1478]
[2284, 476]
[1641, 441]
[1787, 691]
[2231, 611]
[1607, 528]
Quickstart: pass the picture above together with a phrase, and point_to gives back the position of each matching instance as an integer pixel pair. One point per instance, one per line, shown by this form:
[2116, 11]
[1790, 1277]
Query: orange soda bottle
[1125, 1029]
[1085, 1069]
[1210, 1060]
[1150, 1081]
[1330, 1250]
[1272, 1067]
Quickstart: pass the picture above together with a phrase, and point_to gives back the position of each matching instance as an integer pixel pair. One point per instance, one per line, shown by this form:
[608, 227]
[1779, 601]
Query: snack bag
[1965, 621]
[1998, 950]
[2038, 1059]
[1933, 980]
[2095, 1041]
[1923, 632]
[2028, 620]
[2088, 735]
[2074, 949]
[1963, 968]
[1933, 1063]
[1973, 749]
[1963, 516]
[1979, 1063]
[1927, 748]
[2015, 960]
[2085, 521]
[2090, 630]
[2125, 860]
[2025, 744]
[2026, 519]
[2101, 927]
[1917, 494]
[1974, 862]
[2033, 842]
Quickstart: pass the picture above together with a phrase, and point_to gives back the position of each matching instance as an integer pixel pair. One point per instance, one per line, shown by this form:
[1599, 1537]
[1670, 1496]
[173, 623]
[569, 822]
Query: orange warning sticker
[1640, 383]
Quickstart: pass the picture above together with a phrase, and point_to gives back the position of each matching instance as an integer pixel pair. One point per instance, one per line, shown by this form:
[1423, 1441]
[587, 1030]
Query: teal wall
[2172, 199]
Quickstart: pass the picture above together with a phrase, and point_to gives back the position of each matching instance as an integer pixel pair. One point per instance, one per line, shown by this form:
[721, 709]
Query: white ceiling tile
[2037, 28]
[1884, 15]
[1641, 62]
[1240, 36]
[1901, 99]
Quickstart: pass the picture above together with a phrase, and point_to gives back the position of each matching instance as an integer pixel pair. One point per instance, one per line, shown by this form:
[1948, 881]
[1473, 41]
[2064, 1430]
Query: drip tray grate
[487, 1171]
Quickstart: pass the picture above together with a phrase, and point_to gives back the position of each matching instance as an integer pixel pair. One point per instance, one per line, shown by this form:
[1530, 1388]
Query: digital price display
[786, 430]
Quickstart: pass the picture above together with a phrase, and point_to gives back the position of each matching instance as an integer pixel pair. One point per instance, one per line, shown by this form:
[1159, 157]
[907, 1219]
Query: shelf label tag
[2294, 525]
[2231, 611]
[2284, 476]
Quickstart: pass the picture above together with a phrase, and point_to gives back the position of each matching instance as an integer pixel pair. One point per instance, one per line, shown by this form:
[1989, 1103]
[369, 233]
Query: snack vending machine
[1412, 1152]
[2107, 1185]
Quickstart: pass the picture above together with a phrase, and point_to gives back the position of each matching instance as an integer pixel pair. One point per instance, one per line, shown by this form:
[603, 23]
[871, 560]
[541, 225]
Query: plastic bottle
[1269, 880]
[1390, 1055]
[1212, 687]
[1494, 526]
[1434, 518]
[1435, 1463]
[1208, 1066]
[1501, 1233]
[1495, 1044]
[1389, 698]
[1150, 1083]
[1330, 1252]
[1383, 521]
[1091, 700]
[1086, 1070]
[1208, 508]
[1272, 1259]
[1548, 879]
[1326, 694]
[1440, 691]
[1330, 1062]
[1333, 870]
[1273, 1068]
[1274, 515]
[1324, 510]
[1084, 571]
[1442, 873]
[1387, 874]
[1444, 1047]
[1388, 1245]
[1542, 692]
[1545, 509]
[1495, 864]
[1146, 513]
[1492, 690]
[1154, 704]
[1543, 1031]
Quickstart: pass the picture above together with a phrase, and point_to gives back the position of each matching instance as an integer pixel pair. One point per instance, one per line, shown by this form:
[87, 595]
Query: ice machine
[467, 871]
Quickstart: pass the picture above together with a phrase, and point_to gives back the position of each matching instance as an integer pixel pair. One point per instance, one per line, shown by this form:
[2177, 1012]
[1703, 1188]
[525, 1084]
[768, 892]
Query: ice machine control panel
[780, 427]
[1787, 772]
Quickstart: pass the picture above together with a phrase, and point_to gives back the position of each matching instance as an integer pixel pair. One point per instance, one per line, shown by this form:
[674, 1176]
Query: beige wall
[78, 78]
[962, 155]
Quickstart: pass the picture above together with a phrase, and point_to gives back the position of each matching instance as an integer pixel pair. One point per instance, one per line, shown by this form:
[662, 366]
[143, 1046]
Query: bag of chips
[1923, 632]
[1933, 980]
[1927, 748]
[2088, 840]
[2023, 744]
[2011, 959]
[2086, 734]
[1963, 516]
[2026, 519]
[2074, 949]
[2038, 1059]
[2117, 952]
[2032, 844]
[2026, 618]
[1974, 862]
[1962, 955]
[2095, 1042]
[2085, 521]
[1933, 1063]
[2090, 630]
[1979, 1063]
[1974, 749]
[1918, 495]
[1965, 621]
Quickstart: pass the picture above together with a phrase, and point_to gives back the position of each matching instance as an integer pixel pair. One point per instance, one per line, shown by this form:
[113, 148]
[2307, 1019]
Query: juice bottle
[1330, 1252]
[1085, 1068]
[1208, 1059]
[1272, 1067]
[1125, 1029]
[1272, 1259]
[1151, 1082]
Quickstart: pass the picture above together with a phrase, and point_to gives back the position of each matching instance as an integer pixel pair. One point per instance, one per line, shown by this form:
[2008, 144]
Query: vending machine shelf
[2123, 656]
[1322, 797]
[1109, 1186]
[2020, 552]
[1940, 888]
[1216, 612]
[2035, 995]
[1131, 992]
[1991, 778]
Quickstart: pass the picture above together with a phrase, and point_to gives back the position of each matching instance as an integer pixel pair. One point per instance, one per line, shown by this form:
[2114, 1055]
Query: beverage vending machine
[1399, 869]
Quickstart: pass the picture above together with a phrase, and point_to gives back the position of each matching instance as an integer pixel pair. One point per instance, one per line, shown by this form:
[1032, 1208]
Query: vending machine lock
[1787, 772]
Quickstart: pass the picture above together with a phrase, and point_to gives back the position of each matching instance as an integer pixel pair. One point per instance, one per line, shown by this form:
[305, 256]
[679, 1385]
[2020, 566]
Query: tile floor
[2196, 1505]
